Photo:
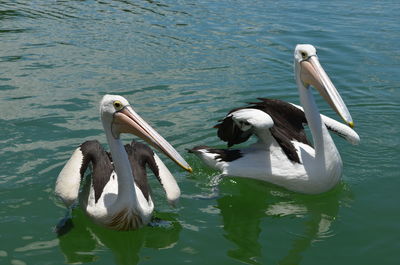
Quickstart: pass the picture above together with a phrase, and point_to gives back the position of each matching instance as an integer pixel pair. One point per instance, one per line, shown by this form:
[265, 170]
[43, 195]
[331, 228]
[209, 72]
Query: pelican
[283, 155]
[117, 195]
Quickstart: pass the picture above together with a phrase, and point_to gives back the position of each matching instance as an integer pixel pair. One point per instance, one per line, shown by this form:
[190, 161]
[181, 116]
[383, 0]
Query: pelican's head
[310, 72]
[247, 119]
[119, 117]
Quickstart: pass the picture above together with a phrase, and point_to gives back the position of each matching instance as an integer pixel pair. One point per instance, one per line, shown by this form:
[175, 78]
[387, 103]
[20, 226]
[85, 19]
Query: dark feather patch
[230, 133]
[288, 125]
[102, 168]
[140, 156]
[227, 155]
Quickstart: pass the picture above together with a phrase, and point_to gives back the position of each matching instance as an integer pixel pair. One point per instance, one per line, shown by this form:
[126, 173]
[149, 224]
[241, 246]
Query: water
[183, 65]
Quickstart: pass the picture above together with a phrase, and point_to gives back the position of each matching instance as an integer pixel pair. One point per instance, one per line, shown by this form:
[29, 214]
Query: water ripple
[183, 65]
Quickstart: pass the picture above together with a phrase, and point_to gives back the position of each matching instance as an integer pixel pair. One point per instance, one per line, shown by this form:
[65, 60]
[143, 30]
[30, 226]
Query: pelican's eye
[118, 105]
[303, 55]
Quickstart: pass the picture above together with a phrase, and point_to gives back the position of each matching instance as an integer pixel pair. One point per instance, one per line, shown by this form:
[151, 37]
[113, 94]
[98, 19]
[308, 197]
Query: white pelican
[117, 195]
[283, 155]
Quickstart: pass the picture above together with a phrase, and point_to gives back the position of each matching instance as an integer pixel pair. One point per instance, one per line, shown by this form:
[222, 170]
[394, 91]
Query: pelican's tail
[215, 158]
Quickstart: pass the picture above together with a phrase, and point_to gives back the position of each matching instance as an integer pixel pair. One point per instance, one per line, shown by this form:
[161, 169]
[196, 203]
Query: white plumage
[117, 194]
[283, 155]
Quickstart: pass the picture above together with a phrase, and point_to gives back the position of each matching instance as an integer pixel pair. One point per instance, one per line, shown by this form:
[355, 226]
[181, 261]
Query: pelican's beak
[128, 121]
[312, 73]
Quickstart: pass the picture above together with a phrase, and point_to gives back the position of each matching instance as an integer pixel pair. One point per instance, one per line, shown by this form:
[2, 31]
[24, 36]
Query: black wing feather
[288, 125]
[140, 156]
[230, 133]
[102, 167]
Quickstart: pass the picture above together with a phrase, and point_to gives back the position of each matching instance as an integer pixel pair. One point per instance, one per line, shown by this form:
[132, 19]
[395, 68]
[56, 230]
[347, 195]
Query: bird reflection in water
[250, 208]
[84, 239]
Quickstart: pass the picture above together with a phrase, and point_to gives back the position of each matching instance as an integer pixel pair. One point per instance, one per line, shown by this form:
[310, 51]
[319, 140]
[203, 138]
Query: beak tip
[351, 124]
[189, 169]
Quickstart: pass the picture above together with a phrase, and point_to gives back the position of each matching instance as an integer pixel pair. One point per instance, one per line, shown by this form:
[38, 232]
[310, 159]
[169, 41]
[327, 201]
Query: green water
[183, 65]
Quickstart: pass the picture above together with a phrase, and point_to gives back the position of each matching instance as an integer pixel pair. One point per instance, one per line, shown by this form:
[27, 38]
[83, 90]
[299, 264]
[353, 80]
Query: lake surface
[183, 65]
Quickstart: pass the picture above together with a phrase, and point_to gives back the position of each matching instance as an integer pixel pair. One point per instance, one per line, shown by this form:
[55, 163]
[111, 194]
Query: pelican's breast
[125, 219]
[99, 209]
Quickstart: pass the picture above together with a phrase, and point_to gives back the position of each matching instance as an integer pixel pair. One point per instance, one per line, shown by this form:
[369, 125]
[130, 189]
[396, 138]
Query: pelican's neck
[323, 143]
[126, 185]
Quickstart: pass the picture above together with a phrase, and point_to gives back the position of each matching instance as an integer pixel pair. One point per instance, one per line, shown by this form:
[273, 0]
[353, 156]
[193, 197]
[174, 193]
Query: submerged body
[260, 161]
[283, 155]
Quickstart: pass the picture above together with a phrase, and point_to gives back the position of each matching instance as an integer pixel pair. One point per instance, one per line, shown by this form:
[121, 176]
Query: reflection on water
[252, 207]
[83, 242]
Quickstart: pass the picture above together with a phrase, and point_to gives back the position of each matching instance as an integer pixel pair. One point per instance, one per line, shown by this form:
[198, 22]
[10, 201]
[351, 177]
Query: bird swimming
[283, 155]
[117, 194]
